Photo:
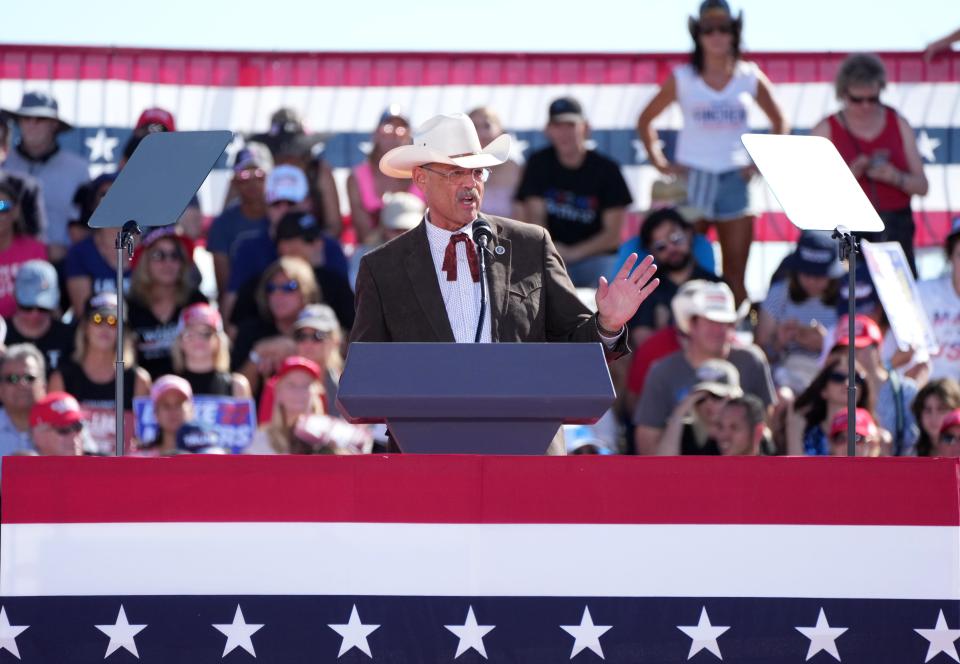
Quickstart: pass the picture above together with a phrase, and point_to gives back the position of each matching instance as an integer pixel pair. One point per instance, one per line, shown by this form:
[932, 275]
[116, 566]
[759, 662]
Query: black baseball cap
[297, 225]
[566, 109]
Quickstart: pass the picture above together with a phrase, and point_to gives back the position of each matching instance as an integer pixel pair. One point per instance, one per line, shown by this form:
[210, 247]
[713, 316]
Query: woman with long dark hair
[933, 403]
[16, 248]
[811, 416]
[711, 91]
[163, 282]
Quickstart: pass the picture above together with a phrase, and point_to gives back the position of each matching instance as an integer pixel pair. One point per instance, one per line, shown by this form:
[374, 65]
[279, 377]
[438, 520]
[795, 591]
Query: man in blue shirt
[22, 383]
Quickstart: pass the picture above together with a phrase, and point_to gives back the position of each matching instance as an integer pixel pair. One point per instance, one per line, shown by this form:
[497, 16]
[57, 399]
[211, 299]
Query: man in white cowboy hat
[60, 172]
[425, 284]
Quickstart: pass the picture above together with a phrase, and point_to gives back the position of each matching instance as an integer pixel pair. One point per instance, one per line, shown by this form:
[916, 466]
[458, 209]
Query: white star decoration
[354, 634]
[238, 634]
[822, 637]
[703, 635]
[586, 634]
[470, 634]
[927, 146]
[121, 635]
[517, 149]
[9, 634]
[942, 639]
[101, 146]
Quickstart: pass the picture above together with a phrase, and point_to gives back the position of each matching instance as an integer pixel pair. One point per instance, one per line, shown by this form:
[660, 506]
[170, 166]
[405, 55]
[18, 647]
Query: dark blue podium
[475, 398]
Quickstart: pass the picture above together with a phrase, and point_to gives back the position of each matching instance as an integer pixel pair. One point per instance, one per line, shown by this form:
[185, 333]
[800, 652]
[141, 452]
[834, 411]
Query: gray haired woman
[879, 145]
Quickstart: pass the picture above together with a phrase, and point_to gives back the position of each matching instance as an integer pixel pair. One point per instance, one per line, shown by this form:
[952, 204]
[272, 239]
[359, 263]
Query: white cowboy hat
[445, 139]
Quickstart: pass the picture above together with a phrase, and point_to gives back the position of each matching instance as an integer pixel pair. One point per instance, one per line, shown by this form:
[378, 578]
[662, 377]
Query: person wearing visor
[948, 442]
[90, 374]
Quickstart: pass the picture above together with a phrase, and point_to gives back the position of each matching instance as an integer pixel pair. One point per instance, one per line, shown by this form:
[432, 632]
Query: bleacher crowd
[255, 306]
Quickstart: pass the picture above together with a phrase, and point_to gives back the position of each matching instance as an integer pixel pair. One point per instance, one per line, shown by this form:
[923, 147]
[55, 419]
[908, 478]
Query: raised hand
[618, 300]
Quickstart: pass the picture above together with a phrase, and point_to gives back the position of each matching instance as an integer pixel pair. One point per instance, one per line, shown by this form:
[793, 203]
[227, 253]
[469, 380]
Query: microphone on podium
[482, 236]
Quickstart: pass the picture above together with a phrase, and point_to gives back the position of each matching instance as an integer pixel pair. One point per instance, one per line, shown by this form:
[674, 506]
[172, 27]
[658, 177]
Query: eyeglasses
[949, 438]
[5, 206]
[460, 174]
[723, 28]
[854, 99]
[100, 319]
[16, 379]
[288, 287]
[33, 310]
[70, 430]
[206, 335]
[159, 255]
[255, 174]
[310, 335]
[840, 377]
[677, 239]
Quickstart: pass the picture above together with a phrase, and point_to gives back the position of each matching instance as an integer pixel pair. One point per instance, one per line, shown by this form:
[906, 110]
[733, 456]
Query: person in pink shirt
[366, 185]
[15, 248]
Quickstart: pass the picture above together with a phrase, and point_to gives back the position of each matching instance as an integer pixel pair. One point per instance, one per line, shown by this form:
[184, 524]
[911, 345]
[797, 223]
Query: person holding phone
[880, 147]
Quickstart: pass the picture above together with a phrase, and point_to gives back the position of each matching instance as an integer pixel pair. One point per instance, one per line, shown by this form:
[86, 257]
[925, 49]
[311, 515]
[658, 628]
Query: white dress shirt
[462, 296]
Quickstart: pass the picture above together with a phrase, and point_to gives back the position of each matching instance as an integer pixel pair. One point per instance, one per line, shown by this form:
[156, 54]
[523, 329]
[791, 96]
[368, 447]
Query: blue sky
[490, 25]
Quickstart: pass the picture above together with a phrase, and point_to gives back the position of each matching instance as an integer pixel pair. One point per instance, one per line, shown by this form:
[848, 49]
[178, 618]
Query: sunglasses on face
[677, 239]
[104, 319]
[949, 438]
[16, 379]
[159, 255]
[310, 335]
[723, 29]
[206, 335]
[840, 377]
[854, 99]
[70, 430]
[287, 287]
[255, 174]
[397, 130]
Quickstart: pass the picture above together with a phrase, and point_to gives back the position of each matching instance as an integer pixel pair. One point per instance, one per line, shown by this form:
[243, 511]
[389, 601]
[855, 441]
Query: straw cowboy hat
[445, 139]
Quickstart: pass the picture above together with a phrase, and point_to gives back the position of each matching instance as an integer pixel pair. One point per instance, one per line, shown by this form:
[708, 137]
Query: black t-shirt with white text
[575, 199]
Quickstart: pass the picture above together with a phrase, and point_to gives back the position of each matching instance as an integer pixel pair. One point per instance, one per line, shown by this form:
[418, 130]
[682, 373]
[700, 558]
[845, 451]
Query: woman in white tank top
[714, 92]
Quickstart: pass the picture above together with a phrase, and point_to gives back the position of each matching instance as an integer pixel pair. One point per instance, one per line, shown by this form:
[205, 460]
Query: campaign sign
[233, 420]
[102, 426]
[900, 298]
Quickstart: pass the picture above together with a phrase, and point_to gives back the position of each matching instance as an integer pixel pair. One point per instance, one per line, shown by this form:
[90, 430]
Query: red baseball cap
[863, 423]
[865, 329]
[156, 116]
[951, 420]
[186, 244]
[200, 313]
[297, 363]
[58, 409]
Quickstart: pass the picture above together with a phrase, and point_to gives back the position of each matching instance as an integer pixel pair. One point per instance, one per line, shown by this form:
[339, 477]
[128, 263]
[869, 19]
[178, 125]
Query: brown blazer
[531, 297]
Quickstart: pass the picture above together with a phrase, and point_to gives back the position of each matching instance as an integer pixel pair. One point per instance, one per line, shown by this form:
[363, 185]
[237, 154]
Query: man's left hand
[618, 301]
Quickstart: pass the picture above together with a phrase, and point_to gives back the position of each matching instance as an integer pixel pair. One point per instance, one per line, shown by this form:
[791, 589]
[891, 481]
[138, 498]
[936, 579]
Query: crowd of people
[711, 372]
